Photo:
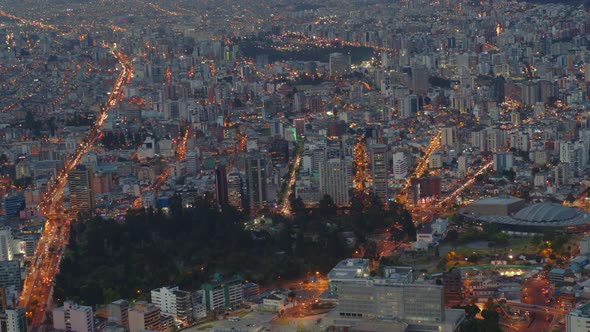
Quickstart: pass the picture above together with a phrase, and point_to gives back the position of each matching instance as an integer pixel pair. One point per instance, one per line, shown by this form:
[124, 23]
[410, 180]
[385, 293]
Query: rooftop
[498, 200]
[350, 268]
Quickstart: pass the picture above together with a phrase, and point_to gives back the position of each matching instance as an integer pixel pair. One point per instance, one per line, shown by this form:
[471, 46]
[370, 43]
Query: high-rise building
[118, 312]
[80, 184]
[530, 93]
[448, 136]
[339, 64]
[420, 76]
[503, 161]
[234, 189]
[144, 316]
[6, 244]
[173, 301]
[222, 293]
[10, 274]
[256, 169]
[336, 179]
[408, 106]
[73, 317]
[13, 204]
[379, 171]
[221, 185]
[13, 320]
[400, 166]
[462, 166]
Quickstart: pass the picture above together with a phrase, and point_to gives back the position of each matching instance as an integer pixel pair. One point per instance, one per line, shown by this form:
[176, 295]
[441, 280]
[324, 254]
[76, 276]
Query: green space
[107, 260]
[304, 52]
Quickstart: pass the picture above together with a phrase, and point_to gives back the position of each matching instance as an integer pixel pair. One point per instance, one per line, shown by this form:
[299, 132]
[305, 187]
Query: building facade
[80, 184]
[73, 317]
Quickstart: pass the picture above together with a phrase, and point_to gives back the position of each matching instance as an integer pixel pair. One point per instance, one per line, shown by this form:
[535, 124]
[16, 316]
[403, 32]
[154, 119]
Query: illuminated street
[38, 285]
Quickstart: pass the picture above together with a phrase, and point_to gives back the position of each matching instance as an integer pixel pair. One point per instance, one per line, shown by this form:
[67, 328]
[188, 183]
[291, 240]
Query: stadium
[530, 219]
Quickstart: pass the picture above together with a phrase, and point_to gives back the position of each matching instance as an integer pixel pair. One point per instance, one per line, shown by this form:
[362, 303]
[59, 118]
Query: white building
[400, 166]
[336, 179]
[173, 301]
[13, 320]
[578, 320]
[274, 302]
[147, 149]
[73, 317]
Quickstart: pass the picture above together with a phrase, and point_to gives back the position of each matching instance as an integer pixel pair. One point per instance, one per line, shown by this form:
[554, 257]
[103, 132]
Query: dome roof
[546, 213]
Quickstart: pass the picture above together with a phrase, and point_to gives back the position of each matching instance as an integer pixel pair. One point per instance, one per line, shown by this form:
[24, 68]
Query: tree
[327, 208]
[297, 205]
[452, 235]
[408, 226]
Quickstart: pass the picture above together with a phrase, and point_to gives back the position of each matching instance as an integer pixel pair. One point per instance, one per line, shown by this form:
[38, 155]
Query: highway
[38, 285]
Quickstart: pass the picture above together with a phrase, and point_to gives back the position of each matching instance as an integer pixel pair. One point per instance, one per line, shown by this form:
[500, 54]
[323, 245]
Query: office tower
[73, 317]
[408, 106]
[503, 161]
[379, 171]
[173, 301]
[191, 163]
[448, 136]
[388, 300]
[144, 316]
[339, 64]
[453, 287]
[13, 320]
[13, 204]
[420, 76]
[10, 274]
[400, 166]
[462, 166]
[499, 89]
[118, 312]
[256, 181]
[221, 185]
[378, 303]
[279, 152]
[80, 184]
[234, 189]
[336, 179]
[222, 293]
[6, 244]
